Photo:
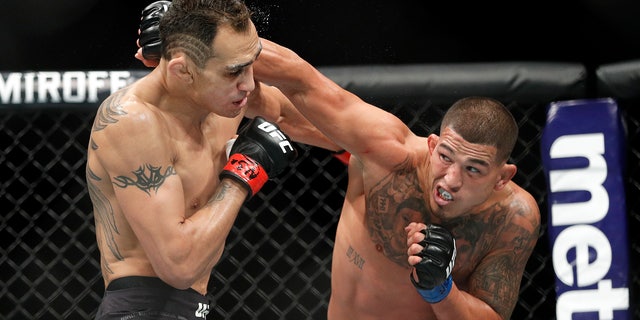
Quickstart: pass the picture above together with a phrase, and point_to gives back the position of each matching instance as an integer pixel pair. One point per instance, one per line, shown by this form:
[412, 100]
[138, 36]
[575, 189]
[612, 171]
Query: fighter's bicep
[139, 163]
[151, 199]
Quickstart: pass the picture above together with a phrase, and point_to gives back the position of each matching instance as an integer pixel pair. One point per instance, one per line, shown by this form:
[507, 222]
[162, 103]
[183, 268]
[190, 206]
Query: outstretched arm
[366, 131]
[268, 102]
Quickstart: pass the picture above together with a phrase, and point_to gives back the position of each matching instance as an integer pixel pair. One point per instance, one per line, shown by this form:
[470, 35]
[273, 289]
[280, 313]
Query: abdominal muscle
[366, 284]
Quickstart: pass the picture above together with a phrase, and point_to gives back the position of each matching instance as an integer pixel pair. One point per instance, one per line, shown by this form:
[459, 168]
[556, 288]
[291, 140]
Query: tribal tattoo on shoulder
[147, 178]
[391, 205]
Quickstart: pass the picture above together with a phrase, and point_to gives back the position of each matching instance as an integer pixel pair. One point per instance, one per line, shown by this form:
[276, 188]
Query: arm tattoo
[104, 217]
[107, 112]
[499, 285]
[222, 191]
[148, 178]
[502, 244]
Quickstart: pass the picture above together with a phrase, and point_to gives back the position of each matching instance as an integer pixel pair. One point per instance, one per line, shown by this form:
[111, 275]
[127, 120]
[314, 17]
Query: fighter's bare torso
[370, 272]
[199, 147]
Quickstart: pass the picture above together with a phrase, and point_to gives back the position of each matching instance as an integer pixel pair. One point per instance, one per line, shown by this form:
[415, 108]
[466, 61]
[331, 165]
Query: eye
[445, 158]
[236, 73]
[473, 170]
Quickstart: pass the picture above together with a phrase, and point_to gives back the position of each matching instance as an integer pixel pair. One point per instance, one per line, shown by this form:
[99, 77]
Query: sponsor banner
[62, 88]
[583, 153]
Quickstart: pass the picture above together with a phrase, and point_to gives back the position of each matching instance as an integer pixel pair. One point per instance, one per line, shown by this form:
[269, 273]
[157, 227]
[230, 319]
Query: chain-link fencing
[278, 256]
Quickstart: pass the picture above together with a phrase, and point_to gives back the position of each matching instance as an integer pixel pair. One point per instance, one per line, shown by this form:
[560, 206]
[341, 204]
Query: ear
[432, 141]
[179, 68]
[507, 172]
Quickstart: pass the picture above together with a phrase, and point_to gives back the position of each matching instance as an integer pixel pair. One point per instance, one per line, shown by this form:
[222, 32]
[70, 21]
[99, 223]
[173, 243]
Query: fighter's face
[463, 174]
[227, 79]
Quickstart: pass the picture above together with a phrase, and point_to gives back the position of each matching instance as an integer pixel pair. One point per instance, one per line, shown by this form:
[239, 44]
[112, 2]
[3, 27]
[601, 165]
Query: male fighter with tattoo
[164, 173]
[431, 227]
[469, 229]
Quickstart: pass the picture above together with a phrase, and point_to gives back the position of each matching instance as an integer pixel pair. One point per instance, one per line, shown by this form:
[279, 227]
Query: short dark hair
[190, 26]
[483, 120]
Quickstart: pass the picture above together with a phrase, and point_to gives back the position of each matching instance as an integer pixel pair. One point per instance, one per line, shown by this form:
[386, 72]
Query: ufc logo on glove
[274, 132]
[260, 152]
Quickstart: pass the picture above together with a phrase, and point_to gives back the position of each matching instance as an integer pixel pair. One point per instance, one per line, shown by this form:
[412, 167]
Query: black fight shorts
[132, 298]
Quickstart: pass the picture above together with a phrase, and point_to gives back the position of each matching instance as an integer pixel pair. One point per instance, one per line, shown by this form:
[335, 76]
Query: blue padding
[583, 153]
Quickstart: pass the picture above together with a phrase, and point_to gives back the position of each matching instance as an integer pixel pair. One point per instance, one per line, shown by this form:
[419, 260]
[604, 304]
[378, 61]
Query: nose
[246, 81]
[453, 177]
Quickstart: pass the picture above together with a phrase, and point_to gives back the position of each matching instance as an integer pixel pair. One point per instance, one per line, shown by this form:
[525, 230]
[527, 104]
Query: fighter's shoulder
[125, 110]
[523, 207]
[124, 124]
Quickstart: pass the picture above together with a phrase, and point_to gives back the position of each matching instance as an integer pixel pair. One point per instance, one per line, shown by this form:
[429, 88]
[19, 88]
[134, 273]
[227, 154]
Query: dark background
[99, 34]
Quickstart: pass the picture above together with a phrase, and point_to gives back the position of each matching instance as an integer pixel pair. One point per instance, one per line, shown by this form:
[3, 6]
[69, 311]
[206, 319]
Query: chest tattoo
[392, 204]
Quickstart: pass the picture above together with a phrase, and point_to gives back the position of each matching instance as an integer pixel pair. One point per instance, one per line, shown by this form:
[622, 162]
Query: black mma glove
[261, 151]
[434, 270]
[150, 29]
